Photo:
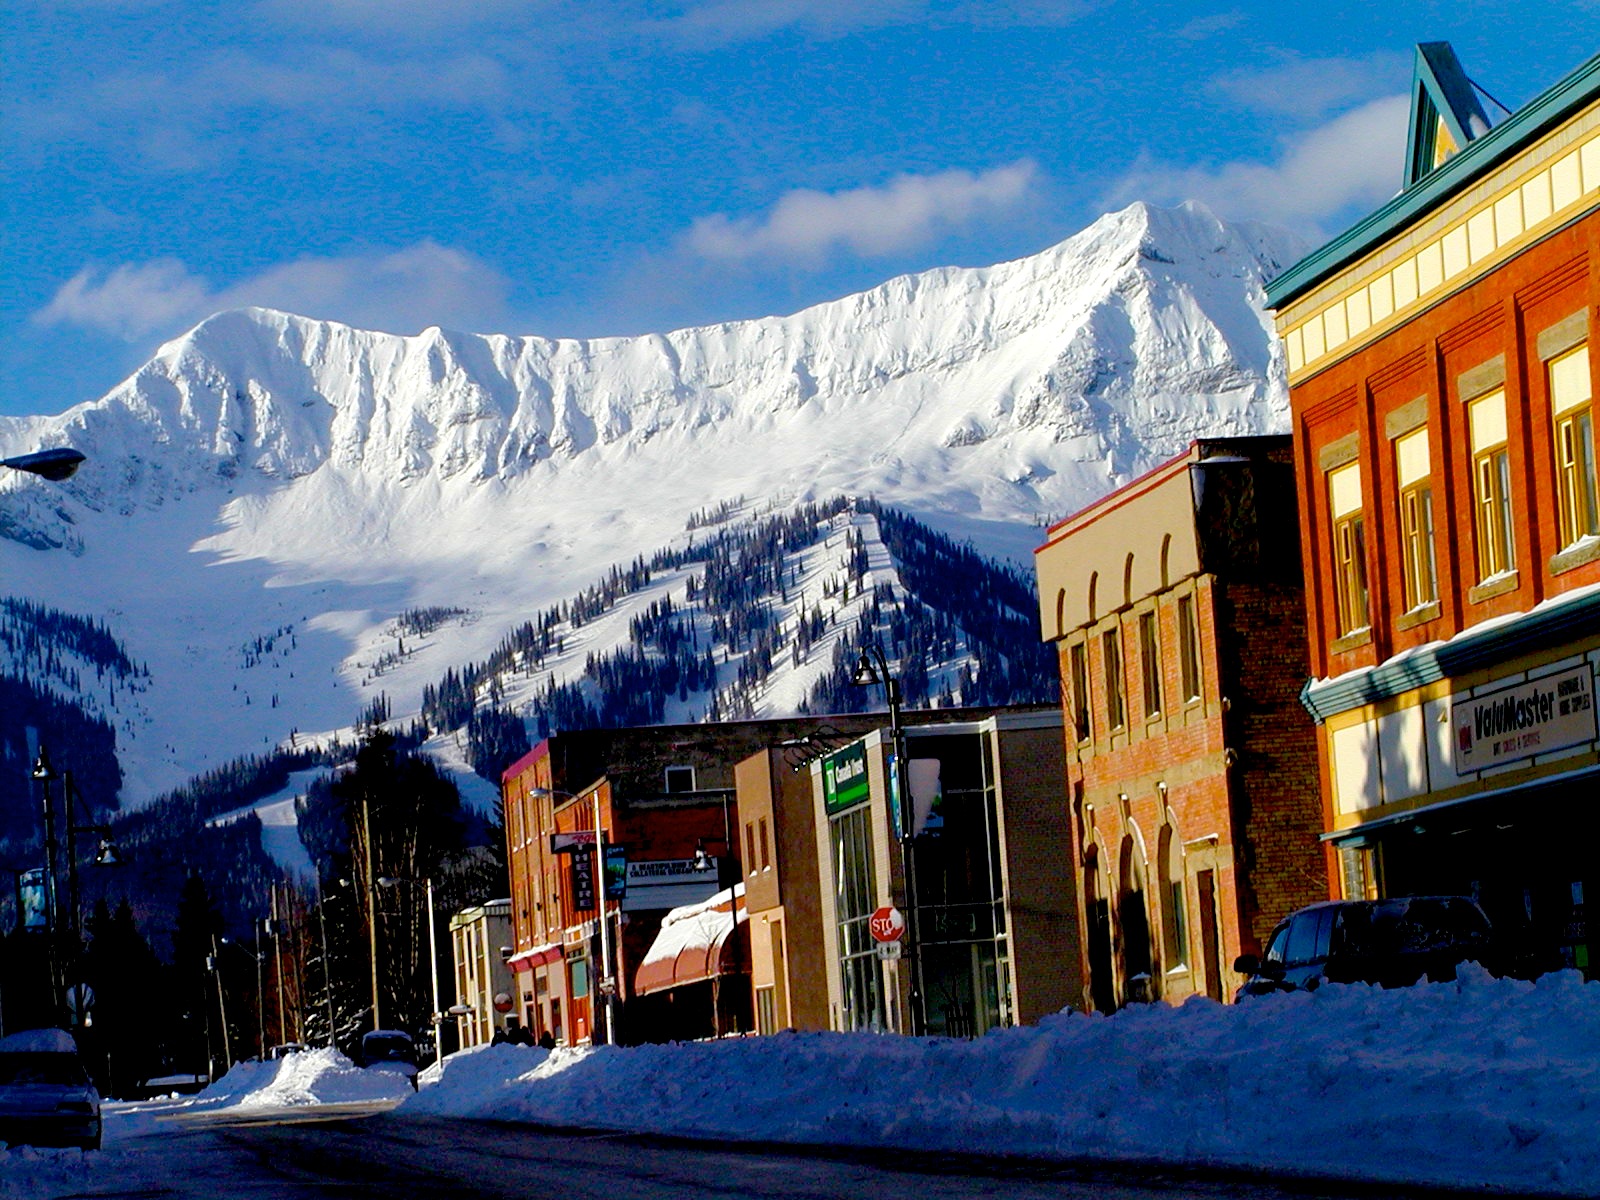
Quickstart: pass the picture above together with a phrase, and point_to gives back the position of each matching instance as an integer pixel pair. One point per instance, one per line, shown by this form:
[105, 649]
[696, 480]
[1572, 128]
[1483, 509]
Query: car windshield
[1404, 926]
[62, 1070]
[387, 1048]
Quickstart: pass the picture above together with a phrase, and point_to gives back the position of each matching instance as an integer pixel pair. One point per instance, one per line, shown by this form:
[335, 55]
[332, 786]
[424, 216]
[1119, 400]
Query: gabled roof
[1445, 113]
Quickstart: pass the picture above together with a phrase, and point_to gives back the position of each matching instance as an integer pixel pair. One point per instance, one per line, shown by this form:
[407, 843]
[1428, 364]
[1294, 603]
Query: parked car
[46, 1098]
[389, 1050]
[1393, 943]
[286, 1049]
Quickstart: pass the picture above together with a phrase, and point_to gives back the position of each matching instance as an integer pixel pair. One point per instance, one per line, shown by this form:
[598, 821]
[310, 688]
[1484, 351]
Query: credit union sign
[1524, 720]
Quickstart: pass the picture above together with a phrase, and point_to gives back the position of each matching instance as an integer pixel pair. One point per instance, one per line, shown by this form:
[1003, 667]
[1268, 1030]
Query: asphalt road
[349, 1154]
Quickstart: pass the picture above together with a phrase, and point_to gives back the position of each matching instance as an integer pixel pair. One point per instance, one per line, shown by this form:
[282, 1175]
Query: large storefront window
[960, 897]
[855, 896]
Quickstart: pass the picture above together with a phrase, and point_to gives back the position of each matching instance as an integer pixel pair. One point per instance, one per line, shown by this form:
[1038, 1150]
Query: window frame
[1352, 600]
[1191, 679]
[1078, 680]
[1493, 518]
[1572, 426]
[1150, 661]
[1116, 687]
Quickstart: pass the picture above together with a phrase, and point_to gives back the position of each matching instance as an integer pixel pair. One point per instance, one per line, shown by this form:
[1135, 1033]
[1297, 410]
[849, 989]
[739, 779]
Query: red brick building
[1442, 386]
[1177, 610]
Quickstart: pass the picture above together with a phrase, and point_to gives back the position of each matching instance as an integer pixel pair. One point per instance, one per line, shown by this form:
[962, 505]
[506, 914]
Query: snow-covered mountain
[267, 494]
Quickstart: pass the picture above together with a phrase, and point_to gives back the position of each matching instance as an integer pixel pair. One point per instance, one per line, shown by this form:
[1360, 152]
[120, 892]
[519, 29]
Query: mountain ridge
[267, 472]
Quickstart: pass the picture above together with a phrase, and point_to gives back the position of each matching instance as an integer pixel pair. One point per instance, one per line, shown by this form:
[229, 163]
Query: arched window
[1133, 918]
[1174, 901]
[1127, 580]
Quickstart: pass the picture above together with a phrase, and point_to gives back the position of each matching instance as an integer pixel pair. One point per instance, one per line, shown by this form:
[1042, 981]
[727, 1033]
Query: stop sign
[886, 924]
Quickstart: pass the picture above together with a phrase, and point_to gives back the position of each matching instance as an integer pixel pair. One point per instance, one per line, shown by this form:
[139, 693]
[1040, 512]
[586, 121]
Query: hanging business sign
[35, 914]
[566, 843]
[616, 871]
[1525, 719]
[582, 877]
[844, 778]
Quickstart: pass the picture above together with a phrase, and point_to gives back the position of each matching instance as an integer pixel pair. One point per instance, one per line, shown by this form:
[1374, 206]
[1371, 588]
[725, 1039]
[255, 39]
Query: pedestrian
[547, 1040]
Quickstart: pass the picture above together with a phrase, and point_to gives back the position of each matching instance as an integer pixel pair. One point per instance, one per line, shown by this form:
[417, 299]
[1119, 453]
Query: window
[750, 847]
[1188, 648]
[765, 860]
[1150, 662]
[1177, 927]
[679, 779]
[1078, 668]
[1570, 395]
[1116, 704]
[1349, 548]
[1418, 566]
[1491, 483]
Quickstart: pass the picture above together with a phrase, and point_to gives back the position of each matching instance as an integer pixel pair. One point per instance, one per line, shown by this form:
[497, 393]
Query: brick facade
[1195, 818]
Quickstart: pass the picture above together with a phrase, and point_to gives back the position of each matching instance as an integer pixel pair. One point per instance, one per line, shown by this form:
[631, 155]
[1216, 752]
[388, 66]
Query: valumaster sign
[1524, 720]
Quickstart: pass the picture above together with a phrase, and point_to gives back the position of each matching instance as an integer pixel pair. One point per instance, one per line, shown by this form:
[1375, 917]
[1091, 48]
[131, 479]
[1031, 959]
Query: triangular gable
[1445, 112]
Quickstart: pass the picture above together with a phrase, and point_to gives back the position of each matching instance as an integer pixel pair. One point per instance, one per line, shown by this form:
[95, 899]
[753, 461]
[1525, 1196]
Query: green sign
[844, 778]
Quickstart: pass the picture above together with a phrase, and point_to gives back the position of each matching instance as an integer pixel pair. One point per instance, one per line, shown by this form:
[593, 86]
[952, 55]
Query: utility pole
[372, 901]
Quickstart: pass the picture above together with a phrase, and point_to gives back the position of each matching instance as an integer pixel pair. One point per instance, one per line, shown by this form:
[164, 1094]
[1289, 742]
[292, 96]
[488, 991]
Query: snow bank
[1479, 1082]
[309, 1077]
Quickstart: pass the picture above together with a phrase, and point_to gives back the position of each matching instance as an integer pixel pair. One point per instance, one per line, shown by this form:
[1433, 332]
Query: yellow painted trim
[1462, 246]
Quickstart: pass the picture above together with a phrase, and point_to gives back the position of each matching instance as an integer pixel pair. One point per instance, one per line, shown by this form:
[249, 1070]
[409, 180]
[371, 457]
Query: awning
[693, 945]
[537, 957]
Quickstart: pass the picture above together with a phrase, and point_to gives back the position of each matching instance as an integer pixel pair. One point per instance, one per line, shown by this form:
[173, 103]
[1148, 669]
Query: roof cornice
[1568, 96]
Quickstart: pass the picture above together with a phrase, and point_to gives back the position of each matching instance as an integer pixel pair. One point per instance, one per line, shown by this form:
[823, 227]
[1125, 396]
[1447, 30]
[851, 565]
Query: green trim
[1577, 91]
[1440, 91]
[1559, 621]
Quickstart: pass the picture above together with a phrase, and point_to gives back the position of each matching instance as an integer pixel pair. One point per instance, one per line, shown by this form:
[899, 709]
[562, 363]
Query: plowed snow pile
[1483, 1081]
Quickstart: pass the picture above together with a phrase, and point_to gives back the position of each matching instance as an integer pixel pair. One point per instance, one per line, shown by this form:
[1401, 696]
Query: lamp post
[45, 774]
[436, 1018]
[606, 985]
[873, 668]
[56, 464]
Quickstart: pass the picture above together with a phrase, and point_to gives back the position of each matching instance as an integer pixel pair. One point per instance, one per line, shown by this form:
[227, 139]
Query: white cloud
[1309, 89]
[910, 210]
[1354, 160]
[708, 23]
[129, 302]
[421, 285]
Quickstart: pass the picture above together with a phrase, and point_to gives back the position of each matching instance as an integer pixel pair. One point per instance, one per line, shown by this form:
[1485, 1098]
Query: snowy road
[314, 1153]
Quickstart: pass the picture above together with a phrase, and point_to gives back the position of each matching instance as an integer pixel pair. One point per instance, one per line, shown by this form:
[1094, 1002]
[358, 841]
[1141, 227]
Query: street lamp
[56, 464]
[436, 1018]
[607, 993]
[872, 668]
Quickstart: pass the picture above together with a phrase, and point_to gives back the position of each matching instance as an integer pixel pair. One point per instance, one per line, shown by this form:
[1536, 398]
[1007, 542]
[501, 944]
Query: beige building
[480, 938]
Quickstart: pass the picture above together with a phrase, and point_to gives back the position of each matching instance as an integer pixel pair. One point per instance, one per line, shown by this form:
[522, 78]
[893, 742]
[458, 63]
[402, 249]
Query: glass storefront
[960, 894]
[855, 897]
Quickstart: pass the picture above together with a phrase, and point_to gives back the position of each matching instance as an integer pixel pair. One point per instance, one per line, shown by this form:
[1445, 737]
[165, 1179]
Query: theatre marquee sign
[1524, 720]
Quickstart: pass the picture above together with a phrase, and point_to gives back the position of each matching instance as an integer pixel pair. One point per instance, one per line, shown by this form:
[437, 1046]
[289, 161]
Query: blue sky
[579, 169]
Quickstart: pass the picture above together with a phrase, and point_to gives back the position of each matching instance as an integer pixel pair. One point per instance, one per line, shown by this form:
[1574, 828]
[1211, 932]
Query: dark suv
[1393, 943]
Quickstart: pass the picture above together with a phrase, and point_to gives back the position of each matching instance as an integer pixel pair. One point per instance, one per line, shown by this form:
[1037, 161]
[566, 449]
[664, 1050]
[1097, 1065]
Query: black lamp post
[56, 464]
[872, 668]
